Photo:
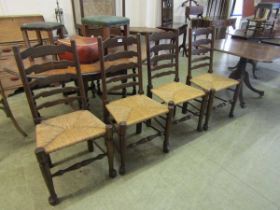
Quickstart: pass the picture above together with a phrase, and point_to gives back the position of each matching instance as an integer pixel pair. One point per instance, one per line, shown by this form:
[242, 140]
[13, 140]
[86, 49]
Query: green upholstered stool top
[41, 26]
[105, 20]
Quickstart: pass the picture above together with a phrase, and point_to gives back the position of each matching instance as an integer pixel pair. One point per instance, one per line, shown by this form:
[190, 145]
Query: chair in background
[6, 108]
[163, 60]
[39, 28]
[193, 10]
[261, 18]
[135, 109]
[59, 132]
[105, 23]
[200, 56]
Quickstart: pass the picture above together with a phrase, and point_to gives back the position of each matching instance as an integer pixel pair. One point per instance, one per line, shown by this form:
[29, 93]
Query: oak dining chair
[45, 89]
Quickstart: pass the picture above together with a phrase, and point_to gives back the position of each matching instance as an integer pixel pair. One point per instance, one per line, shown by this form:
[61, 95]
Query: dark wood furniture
[167, 7]
[10, 28]
[131, 110]
[59, 132]
[247, 50]
[218, 22]
[264, 18]
[200, 56]
[144, 30]
[105, 25]
[39, 28]
[266, 36]
[163, 61]
[272, 41]
[6, 108]
[181, 29]
[83, 8]
[193, 10]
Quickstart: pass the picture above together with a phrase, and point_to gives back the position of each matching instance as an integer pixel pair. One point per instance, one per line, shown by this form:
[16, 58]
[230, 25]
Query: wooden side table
[39, 27]
[181, 28]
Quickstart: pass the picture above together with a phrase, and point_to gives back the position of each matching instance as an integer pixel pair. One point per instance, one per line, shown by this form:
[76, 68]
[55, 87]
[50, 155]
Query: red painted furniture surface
[87, 48]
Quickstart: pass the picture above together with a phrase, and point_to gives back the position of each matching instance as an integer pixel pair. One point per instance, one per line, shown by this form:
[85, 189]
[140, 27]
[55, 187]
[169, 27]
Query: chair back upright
[119, 58]
[51, 79]
[262, 13]
[162, 56]
[200, 50]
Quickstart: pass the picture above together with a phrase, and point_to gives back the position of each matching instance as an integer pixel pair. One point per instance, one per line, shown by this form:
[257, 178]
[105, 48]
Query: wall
[44, 7]
[141, 12]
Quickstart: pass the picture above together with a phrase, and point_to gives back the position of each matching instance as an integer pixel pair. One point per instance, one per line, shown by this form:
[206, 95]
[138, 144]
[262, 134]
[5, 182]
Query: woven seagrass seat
[177, 92]
[163, 61]
[60, 82]
[213, 82]
[135, 109]
[68, 129]
[200, 57]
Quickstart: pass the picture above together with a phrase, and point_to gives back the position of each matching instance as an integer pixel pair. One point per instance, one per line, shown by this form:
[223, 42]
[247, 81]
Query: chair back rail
[119, 58]
[200, 50]
[40, 83]
[162, 56]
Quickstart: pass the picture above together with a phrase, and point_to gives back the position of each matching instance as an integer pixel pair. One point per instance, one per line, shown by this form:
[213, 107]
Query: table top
[258, 35]
[144, 30]
[272, 41]
[173, 26]
[249, 50]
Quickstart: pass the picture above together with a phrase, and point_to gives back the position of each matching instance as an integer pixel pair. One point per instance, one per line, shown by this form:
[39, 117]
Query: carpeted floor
[233, 166]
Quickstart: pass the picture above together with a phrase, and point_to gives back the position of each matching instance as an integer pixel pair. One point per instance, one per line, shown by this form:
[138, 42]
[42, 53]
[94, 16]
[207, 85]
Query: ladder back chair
[6, 108]
[64, 87]
[163, 61]
[191, 10]
[135, 109]
[200, 57]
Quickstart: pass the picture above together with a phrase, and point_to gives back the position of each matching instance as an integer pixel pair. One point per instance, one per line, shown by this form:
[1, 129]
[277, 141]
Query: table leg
[241, 74]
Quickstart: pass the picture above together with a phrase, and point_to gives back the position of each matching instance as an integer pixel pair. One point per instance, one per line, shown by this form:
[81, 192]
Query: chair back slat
[199, 66]
[120, 55]
[120, 64]
[122, 86]
[41, 68]
[163, 47]
[162, 56]
[163, 66]
[41, 51]
[41, 81]
[166, 73]
[66, 90]
[121, 78]
[58, 101]
[119, 41]
[200, 50]
[120, 67]
[194, 11]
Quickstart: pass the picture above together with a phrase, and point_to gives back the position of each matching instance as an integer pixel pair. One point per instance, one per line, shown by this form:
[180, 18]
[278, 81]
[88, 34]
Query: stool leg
[39, 37]
[126, 30]
[106, 33]
[27, 43]
[60, 33]
[51, 40]
[84, 30]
